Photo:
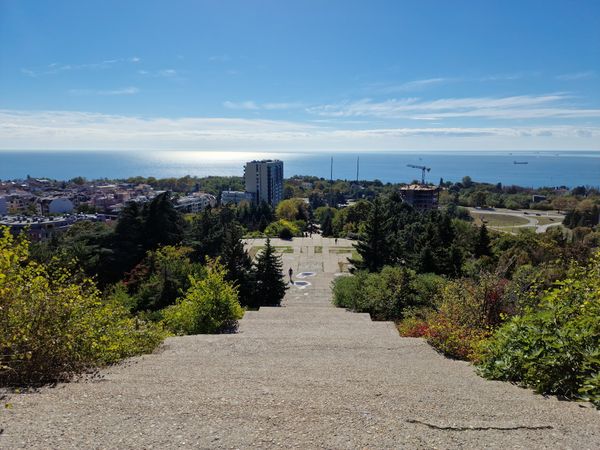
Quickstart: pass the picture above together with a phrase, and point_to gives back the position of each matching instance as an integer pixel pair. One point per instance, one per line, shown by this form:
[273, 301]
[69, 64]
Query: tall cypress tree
[373, 245]
[269, 287]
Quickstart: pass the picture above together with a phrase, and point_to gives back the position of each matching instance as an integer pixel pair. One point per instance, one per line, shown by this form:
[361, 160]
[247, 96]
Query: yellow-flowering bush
[52, 326]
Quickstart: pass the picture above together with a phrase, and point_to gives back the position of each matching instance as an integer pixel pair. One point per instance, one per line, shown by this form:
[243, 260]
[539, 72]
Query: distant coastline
[543, 168]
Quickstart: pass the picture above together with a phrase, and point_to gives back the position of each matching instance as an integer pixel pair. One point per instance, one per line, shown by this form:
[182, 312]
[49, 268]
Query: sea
[533, 169]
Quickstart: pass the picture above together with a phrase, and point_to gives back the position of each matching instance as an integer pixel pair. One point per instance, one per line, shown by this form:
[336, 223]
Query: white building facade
[264, 180]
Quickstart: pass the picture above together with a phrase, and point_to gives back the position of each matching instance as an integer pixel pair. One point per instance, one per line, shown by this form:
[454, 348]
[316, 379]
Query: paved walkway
[305, 375]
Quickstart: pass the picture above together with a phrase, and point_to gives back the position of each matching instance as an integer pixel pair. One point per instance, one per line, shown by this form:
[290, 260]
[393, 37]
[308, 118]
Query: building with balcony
[264, 180]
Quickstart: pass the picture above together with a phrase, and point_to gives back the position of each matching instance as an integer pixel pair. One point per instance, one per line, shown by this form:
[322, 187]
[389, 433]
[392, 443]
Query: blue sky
[302, 75]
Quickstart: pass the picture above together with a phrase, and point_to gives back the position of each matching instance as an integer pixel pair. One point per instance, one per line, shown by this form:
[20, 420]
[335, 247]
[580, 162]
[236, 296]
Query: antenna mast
[331, 171]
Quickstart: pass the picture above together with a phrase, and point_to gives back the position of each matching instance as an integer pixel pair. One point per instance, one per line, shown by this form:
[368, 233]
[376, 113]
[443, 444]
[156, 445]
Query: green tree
[161, 277]
[270, 287]
[209, 306]
[373, 245]
[163, 224]
[482, 245]
[327, 226]
[238, 264]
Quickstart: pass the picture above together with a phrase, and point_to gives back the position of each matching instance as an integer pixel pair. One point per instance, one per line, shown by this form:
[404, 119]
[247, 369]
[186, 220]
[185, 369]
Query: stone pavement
[305, 375]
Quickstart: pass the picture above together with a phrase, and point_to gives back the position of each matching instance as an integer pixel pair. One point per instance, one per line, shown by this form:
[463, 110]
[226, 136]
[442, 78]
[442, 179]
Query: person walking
[335, 241]
[291, 273]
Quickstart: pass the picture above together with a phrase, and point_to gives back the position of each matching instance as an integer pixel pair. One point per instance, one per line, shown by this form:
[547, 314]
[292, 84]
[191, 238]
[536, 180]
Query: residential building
[3, 206]
[58, 205]
[40, 228]
[420, 196]
[235, 197]
[196, 202]
[264, 180]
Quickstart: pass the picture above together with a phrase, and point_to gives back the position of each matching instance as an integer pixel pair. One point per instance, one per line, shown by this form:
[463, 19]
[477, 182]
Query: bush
[209, 306]
[413, 327]
[454, 339]
[283, 229]
[384, 295]
[555, 347]
[467, 312]
[52, 327]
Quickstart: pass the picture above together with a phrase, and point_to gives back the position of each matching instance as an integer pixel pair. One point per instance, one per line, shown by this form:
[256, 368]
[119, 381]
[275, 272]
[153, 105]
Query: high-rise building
[264, 180]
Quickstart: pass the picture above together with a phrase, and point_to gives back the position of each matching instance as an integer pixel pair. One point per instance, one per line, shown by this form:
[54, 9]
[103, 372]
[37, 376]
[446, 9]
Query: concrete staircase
[304, 375]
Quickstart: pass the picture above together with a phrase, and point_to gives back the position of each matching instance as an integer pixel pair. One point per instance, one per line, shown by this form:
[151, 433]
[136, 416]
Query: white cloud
[167, 73]
[220, 58]
[587, 75]
[163, 73]
[56, 68]
[249, 105]
[121, 91]
[28, 72]
[415, 85]
[271, 106]
[514, 107]
[81, 130]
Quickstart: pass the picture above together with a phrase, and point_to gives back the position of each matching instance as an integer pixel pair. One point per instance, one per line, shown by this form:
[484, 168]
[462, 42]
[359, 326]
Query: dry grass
[498, 220]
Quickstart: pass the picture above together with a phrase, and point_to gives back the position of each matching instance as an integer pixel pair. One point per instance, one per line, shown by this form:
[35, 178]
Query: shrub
[555, 347]
[413, 327]
[345, 290]
[454, 339]
[52, 327]
[283, 229]
[467, 311]
[385, 295]
[209, 306]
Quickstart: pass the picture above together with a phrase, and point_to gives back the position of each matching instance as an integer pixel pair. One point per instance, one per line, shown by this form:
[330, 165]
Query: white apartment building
[264, 180]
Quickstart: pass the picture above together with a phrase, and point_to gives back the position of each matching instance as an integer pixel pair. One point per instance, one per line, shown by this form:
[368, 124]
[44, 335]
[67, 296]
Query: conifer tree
[373, 245]
[269, 286]
[482, 245]
[238, 264]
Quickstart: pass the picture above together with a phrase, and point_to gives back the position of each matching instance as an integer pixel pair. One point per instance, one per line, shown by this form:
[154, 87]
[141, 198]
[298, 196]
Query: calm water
[543, 168]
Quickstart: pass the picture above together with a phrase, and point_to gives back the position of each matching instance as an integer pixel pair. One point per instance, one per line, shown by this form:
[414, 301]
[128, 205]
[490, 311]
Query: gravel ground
[305, 375]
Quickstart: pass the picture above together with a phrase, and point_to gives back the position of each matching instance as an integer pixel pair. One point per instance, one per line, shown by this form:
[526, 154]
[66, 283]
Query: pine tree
[238, 264]
[373, 245]
[269, 287]
[482, 245]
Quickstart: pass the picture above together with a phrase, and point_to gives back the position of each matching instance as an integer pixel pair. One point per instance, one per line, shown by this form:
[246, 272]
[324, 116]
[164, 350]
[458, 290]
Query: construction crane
[423, 170]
